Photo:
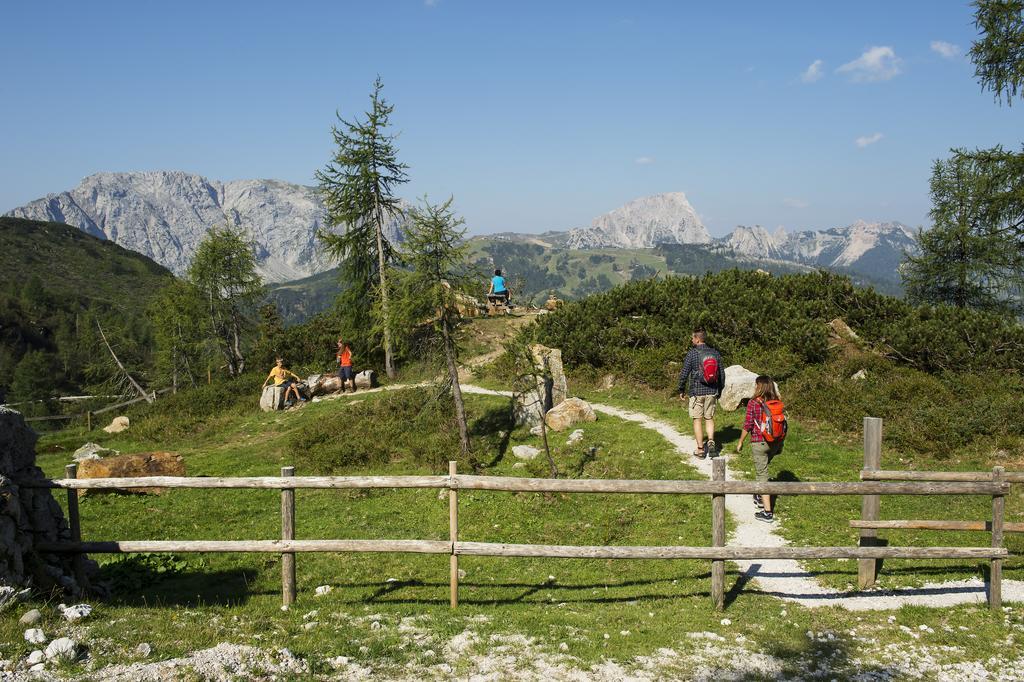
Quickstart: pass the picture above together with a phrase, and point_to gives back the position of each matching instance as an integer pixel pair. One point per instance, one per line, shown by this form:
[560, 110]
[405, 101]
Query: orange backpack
[773, 426]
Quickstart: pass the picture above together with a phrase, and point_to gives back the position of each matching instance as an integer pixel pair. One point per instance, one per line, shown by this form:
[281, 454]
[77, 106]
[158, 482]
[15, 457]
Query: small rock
[118, 425]
[537, 430]
[76, 612]
[526, 452]
[860, 375]
[364, 649]
[563, 647]
[31, 617]
[625, 633]
[310, 625]
[143, 650]
[92, 451]
[575, 437]
[519, 465]
[726, 621]
[37, 668]
[375, 625]
[339, 661]
[462, 574]
[607, 636]
[35, 657]
[34, 636]
[62, 649]
[323, 589]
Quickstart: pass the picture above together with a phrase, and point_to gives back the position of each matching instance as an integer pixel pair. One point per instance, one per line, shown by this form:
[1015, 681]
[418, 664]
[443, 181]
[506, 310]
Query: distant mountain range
[165, 214]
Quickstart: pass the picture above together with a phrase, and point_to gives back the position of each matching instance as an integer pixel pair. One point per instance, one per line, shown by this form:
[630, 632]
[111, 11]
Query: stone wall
[29, 516]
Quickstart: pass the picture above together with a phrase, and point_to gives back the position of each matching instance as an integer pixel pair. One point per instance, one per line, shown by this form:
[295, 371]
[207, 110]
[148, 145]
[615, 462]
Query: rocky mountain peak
[166, 214]
[644, 223]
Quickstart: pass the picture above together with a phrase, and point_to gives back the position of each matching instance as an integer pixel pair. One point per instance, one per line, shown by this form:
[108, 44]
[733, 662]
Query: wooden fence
[717, 488]
[89, 414]
[869, 523]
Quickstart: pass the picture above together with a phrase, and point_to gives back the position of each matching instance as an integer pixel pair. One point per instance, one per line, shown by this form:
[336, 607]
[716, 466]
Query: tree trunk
[389, 362]
[131, 379]
[453, 374]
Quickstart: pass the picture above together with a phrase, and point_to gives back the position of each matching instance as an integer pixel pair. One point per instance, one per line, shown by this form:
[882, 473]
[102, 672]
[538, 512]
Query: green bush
[190, 412]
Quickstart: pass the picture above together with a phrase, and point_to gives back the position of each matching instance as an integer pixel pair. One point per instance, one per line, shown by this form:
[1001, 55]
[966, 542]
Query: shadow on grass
[495, 421]
[389, 593]
[191, 588]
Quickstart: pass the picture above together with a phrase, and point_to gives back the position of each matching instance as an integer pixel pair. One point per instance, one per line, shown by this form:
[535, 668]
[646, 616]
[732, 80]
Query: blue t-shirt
[498, 282]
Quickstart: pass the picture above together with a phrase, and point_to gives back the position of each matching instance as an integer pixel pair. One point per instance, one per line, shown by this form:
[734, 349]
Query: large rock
[739, 386]
[569, 413]
[550, 390]
[526, 452]
[118, 425]
[139, 465]
[29, 516]
[324, 384]
[272, 398]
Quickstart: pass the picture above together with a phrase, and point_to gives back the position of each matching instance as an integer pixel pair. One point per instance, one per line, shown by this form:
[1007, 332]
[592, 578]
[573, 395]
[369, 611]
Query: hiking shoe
[757, 502]
[701, 453]
[710, 449]
[765, 516]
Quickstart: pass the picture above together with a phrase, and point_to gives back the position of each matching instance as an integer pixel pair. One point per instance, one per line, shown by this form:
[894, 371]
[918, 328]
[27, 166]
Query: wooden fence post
[995, 575]
[75, 526]
[867, 569]
[88, 420]
[718, 536]
[288, 533]
[453, 534]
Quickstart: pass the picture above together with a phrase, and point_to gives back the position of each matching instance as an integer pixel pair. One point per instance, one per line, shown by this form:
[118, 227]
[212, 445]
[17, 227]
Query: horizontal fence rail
[930, 524]
[890, 475]
[288, 546]
[531, 485]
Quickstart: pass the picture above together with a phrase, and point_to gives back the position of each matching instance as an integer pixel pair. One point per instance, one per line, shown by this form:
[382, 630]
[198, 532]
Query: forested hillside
[56, 282]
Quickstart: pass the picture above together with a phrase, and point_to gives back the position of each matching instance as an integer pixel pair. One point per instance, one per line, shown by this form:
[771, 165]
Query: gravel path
[785, 578]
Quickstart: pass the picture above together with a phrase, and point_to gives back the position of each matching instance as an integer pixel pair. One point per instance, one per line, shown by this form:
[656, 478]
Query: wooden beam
[966, 476]
[453, 536]
[287, 534]
[259, 482]
[867, 569]
[928, 524]
[728, 553]
[718, 536]
[995, 574]
[257, 546]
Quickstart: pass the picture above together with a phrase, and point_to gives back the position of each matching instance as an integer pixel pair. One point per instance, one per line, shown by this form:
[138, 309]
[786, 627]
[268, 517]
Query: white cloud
[796, 203]
[644, 160]
[947, 50]
[814, 72]
[876, 64]
[865, 140]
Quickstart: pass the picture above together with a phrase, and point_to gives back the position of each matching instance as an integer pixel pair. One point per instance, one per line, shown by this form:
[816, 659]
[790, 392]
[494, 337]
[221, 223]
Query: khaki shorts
[703, 406]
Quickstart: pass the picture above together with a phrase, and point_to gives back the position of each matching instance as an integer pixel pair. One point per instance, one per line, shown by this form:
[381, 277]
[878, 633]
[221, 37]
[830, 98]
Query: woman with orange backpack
[766, 425]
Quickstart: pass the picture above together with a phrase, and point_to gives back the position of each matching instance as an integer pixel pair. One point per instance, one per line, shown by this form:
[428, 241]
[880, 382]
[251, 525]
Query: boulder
[860, 375]
[138, 465]
[92, 451]
[118, 425]
[528, 408]
[739, 386]
[569, 413]
[838, 329]
[62, 649]
[272, 398]
[366, 379]
[551, 386]
[525, 452]
[552, 303]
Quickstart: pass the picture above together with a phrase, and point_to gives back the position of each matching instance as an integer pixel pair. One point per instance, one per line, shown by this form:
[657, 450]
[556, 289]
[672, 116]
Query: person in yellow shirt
[280, 376]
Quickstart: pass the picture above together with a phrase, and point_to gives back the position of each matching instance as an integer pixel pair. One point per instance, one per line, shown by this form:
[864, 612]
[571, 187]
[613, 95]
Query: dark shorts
[345, 373]
[285, 384]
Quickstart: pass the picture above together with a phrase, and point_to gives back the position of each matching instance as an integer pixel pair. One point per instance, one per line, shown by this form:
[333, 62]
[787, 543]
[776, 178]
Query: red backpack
[709, 370]
[773, 425]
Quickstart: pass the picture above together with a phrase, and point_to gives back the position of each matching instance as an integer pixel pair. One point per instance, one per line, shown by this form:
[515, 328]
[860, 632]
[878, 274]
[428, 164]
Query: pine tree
[998, 55]
[431, 291]
[181, 332]
[223, 271]
[358, 189]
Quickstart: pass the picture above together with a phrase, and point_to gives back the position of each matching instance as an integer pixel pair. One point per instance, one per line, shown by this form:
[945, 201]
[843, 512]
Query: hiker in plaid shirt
[763, 452]
[703, 394]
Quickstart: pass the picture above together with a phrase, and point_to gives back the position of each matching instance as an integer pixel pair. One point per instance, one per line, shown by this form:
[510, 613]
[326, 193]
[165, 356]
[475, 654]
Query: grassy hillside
[55, 282]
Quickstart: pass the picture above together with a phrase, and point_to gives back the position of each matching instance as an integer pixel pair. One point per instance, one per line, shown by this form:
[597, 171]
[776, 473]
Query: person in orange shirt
[345, 372]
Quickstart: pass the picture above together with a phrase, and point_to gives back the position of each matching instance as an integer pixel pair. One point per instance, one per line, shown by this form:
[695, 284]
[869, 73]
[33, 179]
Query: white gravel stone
[34, 636]
[62, 649]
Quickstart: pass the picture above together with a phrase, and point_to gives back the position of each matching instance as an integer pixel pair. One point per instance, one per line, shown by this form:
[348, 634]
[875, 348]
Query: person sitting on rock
[498, 291]
[345, 371]
[280, 376]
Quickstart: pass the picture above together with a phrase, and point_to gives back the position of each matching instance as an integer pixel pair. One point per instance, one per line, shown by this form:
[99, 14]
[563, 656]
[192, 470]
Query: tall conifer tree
[358, 189]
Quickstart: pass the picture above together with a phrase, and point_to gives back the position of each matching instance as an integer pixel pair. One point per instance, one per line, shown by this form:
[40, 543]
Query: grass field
[580, 613]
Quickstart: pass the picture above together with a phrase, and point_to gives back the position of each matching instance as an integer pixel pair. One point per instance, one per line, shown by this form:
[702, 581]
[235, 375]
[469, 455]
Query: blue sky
[534, 115]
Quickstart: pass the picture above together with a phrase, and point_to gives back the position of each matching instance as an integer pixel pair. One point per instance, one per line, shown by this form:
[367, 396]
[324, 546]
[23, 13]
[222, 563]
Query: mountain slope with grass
[56, 282]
